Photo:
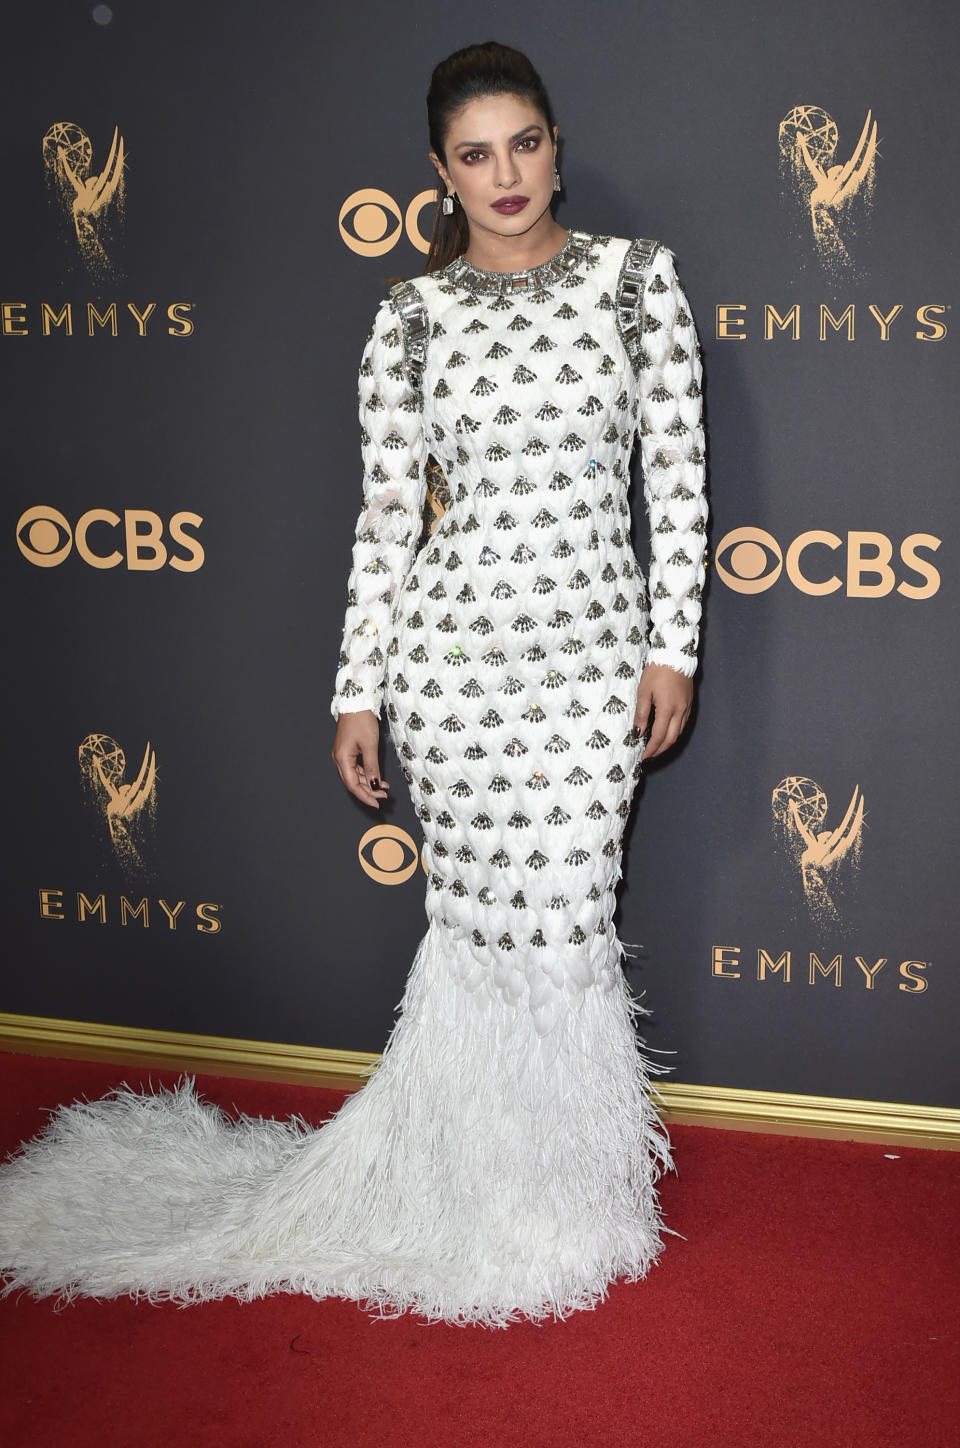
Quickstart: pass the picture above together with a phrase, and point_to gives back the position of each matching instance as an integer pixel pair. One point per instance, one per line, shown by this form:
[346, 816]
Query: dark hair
[477, 70]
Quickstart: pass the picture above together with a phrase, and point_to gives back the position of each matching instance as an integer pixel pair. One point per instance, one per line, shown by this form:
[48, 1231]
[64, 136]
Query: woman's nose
[506, 172]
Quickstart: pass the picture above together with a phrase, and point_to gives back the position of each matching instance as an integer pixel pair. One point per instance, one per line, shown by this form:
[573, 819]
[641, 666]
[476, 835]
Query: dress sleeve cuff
[674, 659]
[355, 704]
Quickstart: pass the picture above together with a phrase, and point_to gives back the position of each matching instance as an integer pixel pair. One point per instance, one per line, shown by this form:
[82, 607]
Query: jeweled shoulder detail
[414, 330]
[629, 297]
[535, 281]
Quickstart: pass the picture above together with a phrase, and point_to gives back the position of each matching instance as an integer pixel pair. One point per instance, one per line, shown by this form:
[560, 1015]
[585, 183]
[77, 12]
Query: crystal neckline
[460, 272]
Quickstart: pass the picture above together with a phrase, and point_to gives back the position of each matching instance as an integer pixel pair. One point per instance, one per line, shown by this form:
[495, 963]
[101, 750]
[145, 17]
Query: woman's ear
[441, 171]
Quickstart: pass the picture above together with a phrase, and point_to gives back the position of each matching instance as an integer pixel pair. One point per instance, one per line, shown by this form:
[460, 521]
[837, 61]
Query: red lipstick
[510, 205]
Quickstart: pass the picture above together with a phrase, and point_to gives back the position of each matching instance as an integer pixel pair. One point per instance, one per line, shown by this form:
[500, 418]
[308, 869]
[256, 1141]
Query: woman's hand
[356, 753]
[669, 695]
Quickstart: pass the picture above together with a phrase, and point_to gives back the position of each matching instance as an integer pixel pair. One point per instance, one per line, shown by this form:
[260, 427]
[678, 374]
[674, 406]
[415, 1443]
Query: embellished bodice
[529, 390]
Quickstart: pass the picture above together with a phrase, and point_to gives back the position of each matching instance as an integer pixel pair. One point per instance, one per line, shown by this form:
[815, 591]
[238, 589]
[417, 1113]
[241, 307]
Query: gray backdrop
[246, 128]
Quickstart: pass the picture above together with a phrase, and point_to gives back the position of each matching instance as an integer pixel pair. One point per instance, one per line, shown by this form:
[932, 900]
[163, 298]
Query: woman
[501, 1162]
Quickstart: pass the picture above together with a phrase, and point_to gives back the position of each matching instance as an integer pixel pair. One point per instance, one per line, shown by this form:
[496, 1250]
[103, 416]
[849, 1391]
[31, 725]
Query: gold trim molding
[782, 1113]
[733, 1107]
[181, 1051]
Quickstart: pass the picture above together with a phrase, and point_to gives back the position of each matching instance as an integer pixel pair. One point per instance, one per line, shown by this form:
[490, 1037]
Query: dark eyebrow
[484, 145]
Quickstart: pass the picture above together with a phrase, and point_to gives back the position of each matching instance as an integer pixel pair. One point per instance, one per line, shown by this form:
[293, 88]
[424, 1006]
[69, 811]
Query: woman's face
[500, 160]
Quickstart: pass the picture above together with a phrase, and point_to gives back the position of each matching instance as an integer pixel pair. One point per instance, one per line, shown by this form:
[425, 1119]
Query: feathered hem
[484, 1174]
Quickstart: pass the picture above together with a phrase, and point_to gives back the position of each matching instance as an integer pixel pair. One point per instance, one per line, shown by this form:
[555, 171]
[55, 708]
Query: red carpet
[813, 1304]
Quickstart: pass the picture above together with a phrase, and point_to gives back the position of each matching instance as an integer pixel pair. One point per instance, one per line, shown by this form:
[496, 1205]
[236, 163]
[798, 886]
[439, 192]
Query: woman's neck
[490, 252]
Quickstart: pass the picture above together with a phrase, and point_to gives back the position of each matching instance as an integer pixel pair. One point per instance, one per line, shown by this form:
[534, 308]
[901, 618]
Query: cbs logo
[388, 855]
[750, 560]
[377, 223]
[45, 538]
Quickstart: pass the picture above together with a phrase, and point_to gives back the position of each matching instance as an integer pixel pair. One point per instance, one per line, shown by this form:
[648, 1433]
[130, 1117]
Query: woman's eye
[529, 143]
[472, 156]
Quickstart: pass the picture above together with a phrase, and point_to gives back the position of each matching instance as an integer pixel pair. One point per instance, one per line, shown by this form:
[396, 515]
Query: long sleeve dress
[501, 1162]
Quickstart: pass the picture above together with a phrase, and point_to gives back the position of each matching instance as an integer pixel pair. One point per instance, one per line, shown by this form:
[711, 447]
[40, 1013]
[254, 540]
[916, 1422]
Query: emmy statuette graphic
[799, 812]
[826, 188]
[127, 808]
[93, 200]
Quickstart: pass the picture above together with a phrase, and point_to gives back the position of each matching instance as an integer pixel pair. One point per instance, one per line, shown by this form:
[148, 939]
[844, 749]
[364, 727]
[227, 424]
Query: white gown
[501, 1162]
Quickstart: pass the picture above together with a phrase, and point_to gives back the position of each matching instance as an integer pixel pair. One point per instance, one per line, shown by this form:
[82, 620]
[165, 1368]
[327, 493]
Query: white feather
[485, 1173]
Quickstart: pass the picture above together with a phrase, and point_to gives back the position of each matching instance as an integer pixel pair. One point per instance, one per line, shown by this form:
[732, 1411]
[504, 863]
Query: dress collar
[460, 272]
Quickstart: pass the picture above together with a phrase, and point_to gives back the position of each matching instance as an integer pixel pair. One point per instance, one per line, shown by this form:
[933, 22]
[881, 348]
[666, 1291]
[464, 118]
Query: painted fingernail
[374, 784]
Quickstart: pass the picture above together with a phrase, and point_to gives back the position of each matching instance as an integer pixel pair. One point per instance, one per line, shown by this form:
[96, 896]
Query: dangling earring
[447, 204]
[556, 179]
